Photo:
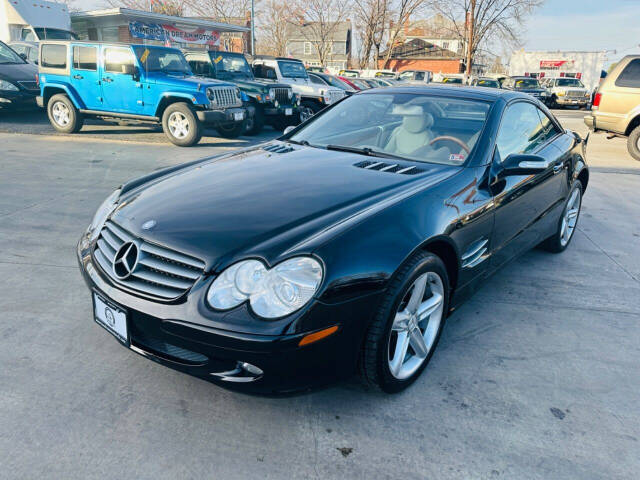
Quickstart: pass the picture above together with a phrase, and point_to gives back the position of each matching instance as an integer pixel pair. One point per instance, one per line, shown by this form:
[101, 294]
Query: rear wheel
[633, 143]
[180, 125]
[63, 114]
[407, 326]
[568, 222]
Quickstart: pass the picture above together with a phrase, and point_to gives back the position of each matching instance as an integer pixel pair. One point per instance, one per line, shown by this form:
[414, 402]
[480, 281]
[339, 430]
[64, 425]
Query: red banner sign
[552, 63]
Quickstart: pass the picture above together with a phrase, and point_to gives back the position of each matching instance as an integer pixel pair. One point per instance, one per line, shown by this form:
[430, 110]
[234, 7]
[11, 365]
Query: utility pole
[470, 34]
[253, 29]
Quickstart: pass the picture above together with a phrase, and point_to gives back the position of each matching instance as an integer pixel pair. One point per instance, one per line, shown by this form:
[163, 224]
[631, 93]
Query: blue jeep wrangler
[135, 82]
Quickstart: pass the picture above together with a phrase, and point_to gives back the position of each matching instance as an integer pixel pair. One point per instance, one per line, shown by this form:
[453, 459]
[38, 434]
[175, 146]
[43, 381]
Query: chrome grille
[575, 93]
[225, 97]
[28, 85]
[159, 271]
[282, 95]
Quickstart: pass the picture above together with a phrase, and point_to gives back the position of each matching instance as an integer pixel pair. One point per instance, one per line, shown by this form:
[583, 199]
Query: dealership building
[137, 26]
[587, 66]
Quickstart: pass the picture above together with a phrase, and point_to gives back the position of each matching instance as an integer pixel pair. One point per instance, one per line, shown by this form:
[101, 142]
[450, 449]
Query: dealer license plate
[288, 111]
[111, 317]
[238, 116]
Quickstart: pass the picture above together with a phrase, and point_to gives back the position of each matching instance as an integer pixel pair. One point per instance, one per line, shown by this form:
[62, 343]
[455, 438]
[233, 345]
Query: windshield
[231, 66]
[336, 82]
[54, 34]
[292, 69]
[489, 83]
[162, 60]
[8, 56]
[569, 82]
[526, 83]
[402, 125]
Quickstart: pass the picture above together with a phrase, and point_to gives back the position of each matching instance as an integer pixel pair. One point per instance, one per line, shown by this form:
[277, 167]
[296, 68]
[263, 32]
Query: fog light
[252, 369]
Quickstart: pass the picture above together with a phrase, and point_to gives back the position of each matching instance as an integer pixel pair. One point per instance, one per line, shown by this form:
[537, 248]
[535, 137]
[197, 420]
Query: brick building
[418, 54]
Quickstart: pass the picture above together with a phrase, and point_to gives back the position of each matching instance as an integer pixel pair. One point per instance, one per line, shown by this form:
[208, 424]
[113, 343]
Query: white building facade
[587, 66]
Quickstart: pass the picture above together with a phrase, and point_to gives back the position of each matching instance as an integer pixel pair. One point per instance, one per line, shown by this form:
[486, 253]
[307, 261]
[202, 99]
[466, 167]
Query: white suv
[313, 97]
[564, 91]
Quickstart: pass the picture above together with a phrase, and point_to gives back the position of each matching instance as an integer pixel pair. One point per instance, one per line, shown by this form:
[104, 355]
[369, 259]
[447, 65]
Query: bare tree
[481, 21]
[226, 11]
[271, 27]
[318, 21]
[371, 18]
[401, 12]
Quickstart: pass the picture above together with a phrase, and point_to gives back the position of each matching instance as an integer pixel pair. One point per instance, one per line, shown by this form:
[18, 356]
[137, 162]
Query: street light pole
[253, 29]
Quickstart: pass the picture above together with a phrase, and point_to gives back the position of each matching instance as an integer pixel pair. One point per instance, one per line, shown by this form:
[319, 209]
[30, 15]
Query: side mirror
[132, 70]
[288, 129]
[522, 164]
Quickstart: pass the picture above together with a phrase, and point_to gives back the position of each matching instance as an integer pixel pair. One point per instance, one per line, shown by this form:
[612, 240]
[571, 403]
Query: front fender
[68, 89]
[194, 98]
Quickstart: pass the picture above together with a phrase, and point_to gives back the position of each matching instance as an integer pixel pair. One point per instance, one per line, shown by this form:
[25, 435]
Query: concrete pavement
[536, 377]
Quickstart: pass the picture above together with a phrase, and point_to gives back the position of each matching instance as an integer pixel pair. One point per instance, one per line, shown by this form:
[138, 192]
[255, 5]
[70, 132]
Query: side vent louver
[278, 148]
[389, 167]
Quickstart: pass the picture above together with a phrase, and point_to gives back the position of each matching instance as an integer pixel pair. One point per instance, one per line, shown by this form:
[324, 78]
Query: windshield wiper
[365, 151]
[304, 143]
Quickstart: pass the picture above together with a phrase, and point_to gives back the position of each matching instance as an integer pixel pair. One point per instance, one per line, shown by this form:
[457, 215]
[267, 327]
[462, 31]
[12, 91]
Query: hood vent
[389, 167]
[278, 148]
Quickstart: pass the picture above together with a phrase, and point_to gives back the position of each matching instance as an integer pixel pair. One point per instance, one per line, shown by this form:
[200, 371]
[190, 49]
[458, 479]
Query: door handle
[78, 77]
[107, 79]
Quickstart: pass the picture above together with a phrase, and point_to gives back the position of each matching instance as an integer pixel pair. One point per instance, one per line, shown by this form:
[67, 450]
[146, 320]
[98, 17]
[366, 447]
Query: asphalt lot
[535, 378]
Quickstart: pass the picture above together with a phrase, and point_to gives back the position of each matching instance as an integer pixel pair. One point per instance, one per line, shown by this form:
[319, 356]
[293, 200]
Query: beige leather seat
[414, 133]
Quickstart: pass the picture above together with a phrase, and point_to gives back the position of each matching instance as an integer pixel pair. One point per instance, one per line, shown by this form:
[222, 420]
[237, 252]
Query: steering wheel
[464, 146]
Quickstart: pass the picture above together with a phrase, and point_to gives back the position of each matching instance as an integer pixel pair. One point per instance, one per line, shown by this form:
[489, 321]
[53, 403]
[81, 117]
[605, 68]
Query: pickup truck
[134, 82]
[273, 103]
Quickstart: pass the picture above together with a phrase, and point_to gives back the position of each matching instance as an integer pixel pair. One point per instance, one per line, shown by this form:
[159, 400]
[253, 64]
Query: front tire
[308, 109]
[407, 326]
[233, 130]
[180, 125]
[633, 143]
[560, 240]
[63, 114]
[255, 124]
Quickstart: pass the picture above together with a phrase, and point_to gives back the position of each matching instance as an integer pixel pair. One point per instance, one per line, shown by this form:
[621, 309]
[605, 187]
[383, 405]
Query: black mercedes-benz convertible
[340, 247]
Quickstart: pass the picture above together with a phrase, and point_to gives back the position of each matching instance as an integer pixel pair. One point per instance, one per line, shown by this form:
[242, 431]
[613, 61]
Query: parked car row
[183, 91]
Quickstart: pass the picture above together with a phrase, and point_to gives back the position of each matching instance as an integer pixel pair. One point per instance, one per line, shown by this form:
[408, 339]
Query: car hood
[189, 81]
[257, 84]
[18, 72]
[263, 204]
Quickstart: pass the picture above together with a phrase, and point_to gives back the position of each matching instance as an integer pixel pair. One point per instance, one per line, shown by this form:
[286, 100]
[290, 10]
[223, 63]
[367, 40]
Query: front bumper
[20, 100]
[280, 110]
[228, 115]
[572, 100]
[195, 340]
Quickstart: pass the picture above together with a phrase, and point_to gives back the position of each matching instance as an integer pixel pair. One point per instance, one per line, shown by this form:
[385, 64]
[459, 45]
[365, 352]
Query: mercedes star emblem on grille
[125, 260]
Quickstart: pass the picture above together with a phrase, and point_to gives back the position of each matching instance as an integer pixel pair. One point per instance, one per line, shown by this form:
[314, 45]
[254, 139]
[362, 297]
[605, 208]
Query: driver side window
[522, 131]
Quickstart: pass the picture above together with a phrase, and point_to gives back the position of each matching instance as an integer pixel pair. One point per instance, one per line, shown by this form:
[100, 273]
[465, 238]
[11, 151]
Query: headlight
[104, 210]
[272, 93]
[4, 85]
[238, 94]
[289, 93]
[272, 293]
[210, 95]
[587, 94]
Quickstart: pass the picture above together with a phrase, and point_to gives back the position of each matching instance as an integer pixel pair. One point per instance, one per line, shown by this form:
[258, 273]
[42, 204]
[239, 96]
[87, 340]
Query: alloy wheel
[416, 325]
[570, 216]
[178, 125]
[306, 113]
[61, 114]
